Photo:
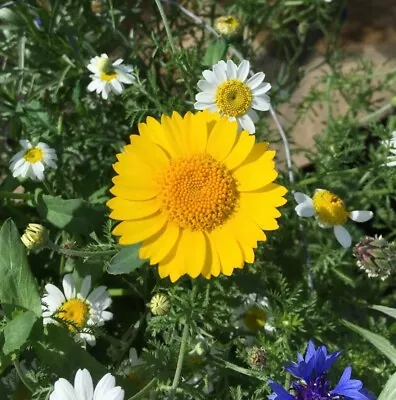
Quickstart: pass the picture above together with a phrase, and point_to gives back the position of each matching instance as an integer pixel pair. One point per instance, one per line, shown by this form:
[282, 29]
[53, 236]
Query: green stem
[81, 253]
[176, 378]
[144, 391]
[22, 376]
[166, 25]
[13, 195]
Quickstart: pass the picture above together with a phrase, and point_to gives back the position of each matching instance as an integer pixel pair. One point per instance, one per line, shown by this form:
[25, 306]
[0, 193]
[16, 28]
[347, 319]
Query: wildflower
[32, 160]
[391, 144]
[228, 90]
[107, 76]
[312, 382]
[257, 358]
[80, 310]
[330, 212]
[160, 304]
[35, 237]
[195, 193]
[228, 26]
[83, 388]
[375, 256]
[254, 314]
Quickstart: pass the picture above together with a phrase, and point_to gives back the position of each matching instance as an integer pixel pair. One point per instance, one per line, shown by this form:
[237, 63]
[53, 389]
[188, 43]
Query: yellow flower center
[254, 318]
[74, 312]
[108, 76]
[330, 209]
[234, 98]
[227, 25]
[198, 192]
[33, 155]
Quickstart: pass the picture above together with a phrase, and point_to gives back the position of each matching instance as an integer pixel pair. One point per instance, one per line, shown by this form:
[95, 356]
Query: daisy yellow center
[227, 24]
[33, 155]
[329, 208]
[234, 98]
[254, 318]
[74, 312]
[198, 192]
[104, 76]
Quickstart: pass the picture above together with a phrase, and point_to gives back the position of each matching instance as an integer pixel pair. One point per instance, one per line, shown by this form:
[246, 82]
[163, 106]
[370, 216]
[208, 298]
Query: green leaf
[386, 310]
[17, 284]
[126, 260]
[381, 343]
[215, 52]
[75, 215]
[389, 391]
[17, 331]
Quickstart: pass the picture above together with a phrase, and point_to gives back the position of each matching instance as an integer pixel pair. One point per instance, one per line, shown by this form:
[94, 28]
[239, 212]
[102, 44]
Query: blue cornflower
[313, 384]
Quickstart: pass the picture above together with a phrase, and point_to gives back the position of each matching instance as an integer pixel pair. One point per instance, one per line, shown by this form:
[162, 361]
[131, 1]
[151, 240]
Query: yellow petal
[196, 252]
[126, 209]
[248, 253]
[133, 193]
[159, 246]
[222, 139]
[148, 152]
[172, 135]
[198, 129]
[244, 230]
[228, 250]
[241, 150]
[212, 262]
[136, 231]
[154, 131]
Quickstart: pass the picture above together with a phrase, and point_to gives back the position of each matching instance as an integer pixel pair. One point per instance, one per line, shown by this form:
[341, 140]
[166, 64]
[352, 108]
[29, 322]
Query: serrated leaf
[386, 310]
[389, 391]
[75, 215]
[17, 331]
[17, 285]
[215, 52]
[381, 343]
[126, 260]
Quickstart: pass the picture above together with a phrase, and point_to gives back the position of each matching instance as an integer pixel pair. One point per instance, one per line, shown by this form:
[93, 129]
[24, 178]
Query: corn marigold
[196, 193]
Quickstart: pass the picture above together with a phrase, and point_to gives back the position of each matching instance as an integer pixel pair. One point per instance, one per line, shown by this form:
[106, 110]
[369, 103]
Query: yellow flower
[35, 237]
[196, 193]
[228, 25]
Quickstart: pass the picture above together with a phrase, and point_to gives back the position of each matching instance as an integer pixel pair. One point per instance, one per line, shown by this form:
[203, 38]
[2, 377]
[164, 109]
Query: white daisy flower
[83, 388]
[227, 89]
[80, 310]
[109, 77]
[254, 314]
[391, 145]
[32, 160]
[330, 212]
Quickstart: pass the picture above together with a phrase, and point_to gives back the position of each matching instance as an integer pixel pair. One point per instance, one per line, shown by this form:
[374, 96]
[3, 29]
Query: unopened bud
[228, 26]
[98, 6]
[35, 237]
[160, 304]
[257, 358]
[375, 256]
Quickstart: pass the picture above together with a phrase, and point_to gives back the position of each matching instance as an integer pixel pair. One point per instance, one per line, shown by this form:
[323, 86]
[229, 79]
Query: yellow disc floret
[234, 98]
[198, 192]
[254, 318]
[108, 77]
[74, 312]
[33, 155]
[330, 209]
[228, 25]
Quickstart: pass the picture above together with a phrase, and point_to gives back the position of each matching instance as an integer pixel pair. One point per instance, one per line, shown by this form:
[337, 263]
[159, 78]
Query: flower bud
[98, 6]
[228, 26]
[257, 358]
[35, 237]
[375, 256]
[160, 304]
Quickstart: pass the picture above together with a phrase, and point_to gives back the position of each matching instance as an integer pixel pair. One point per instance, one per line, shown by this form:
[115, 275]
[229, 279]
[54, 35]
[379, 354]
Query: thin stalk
[21, 61]
[13, 195]
[183, 345]
[166, 25]
[146, 390]
[22, 376]
[81, 253]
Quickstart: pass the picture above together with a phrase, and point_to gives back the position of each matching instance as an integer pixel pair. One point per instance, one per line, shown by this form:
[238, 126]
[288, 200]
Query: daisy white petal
[83, 385]
[25, 144]
[69, 287]
[247, 123]
[85, 286]
[116, 86]
[254, 81]
[262, 89]
[118, 62]
[232, 71]
[301, 197]
[261, 103]
[243, 70]
[63, 390]
[342, 235]
[305, 209]
[361, 216]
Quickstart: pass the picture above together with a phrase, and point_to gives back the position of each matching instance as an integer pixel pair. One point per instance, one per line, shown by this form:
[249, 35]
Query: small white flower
[81, 310]
[32, 160]
[391, 145]
[228, 90]
[109, 77]
[330, 212]
[254, 315]
[83, 388]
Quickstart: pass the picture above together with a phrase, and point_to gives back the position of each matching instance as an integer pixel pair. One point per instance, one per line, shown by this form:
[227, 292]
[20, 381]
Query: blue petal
[349, 387]
[280, 392]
